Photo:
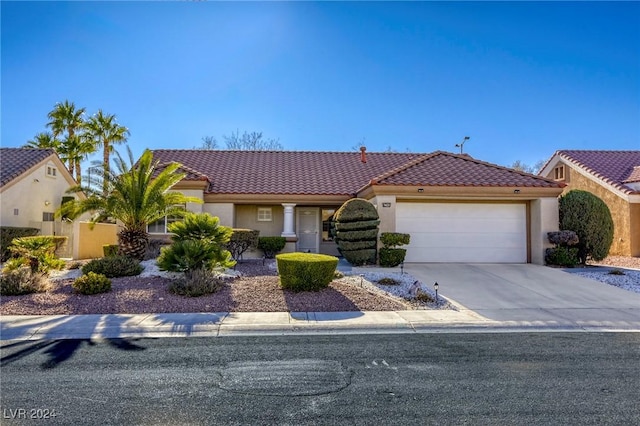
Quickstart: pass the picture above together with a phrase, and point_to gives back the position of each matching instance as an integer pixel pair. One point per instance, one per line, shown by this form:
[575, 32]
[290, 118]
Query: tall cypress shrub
[356, 231]
[589, 217]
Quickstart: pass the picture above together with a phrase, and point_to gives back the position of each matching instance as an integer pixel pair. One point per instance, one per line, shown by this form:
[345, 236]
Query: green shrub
[200, 226]
[110, 250]
[394, 239]
[92, 283]
[189, 255]
[356, 210]
[305, 271]
[357, 235]
[351, 226]
[22, 281]
[360, 257]
[356, 223]
[7, 235]
[563, 238]
[39, 251]
[271, 245]
[198, 244]
[241, 241]
[357, 245]
[589, 217]
[562, 256]
[388, 281]
[390, 257]
[196, 283]
[113, 266]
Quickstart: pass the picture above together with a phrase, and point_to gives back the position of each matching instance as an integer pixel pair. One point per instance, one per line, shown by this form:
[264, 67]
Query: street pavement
[487, 298]
[367, 379]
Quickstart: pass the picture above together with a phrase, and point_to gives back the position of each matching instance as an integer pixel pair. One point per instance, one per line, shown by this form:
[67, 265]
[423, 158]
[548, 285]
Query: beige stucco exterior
[89, 239]
[24, 200]
[542, 207]
[241, 210]
[625, 209]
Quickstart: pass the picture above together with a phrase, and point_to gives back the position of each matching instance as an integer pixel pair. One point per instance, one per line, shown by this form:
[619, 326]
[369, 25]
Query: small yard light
[402, 268]
[435, 287]
[361, 280]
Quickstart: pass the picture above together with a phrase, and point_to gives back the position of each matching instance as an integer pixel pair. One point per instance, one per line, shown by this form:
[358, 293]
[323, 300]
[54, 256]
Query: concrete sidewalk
[277, 323]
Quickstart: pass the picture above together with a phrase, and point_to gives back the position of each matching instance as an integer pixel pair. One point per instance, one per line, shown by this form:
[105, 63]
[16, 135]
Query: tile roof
[338, 173]
[614, 167]
[16, 161]
[447, 169]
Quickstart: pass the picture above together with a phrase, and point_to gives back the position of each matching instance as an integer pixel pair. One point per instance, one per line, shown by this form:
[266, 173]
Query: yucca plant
[137, 194]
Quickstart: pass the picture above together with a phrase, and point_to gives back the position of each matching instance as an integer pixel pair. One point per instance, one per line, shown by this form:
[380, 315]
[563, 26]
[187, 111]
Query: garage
[464, 232]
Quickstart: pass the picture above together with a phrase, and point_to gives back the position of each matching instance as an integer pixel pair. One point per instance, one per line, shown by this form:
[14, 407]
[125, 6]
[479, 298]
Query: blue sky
[521, 79]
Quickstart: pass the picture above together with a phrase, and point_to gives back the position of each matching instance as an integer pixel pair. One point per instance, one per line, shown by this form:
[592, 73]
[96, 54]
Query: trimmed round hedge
[305, 271]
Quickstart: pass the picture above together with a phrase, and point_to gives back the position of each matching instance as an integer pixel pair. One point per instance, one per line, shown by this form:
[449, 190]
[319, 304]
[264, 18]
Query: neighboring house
[32, 184]
[613, 176]
[456, 208]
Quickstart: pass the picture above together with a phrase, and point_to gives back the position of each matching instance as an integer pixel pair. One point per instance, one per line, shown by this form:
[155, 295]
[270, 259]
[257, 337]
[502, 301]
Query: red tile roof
[338, 173]
[446, 169]
[613, 167]
[16, 161]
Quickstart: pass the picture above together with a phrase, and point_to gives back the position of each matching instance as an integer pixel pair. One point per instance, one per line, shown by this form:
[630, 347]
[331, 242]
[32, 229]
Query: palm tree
[105, 131]
[65, 117]
[74, 150]
[136, 196]
[43, 140]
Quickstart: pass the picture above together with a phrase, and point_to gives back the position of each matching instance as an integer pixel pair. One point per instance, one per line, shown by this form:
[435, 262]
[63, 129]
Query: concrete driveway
[532, 295]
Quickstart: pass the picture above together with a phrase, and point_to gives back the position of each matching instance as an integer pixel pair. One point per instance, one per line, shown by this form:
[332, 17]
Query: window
[558, 173]
[16, 212]
[264, 214]
[161, 225]
[51, 171]
[47, 217]
[327, 217]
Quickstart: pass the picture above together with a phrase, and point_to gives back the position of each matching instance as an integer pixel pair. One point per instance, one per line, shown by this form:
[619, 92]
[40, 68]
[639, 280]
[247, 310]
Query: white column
[288, 220]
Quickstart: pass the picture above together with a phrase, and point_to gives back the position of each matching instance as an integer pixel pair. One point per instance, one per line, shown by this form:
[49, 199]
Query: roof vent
[363, 154]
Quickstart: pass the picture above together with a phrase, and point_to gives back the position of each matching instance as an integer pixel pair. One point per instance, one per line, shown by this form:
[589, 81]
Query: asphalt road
[502, 378]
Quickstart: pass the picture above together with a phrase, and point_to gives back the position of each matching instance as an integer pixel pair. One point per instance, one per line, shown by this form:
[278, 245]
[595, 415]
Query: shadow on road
[54, 344]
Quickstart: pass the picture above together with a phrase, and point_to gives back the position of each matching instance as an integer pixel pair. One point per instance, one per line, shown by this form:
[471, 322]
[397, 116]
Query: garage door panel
[464, 232]
[436, 240]
[489, 225]
[464, 255]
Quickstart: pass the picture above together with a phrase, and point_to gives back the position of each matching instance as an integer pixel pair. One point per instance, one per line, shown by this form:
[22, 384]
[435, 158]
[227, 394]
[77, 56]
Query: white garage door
[463, 232]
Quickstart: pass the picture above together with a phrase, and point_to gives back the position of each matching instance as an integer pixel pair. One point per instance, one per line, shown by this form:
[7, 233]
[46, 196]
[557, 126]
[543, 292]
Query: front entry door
[308, 229]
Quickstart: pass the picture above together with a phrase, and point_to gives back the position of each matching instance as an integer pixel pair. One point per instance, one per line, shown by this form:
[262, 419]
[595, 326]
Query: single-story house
[613, 176]
[32, 184]
[456, 208]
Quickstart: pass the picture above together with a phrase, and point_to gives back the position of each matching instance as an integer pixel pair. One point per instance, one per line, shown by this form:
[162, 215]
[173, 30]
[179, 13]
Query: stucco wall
[543, 218]
[88, 242]
[620, 212]
[247, 217]
[224, 211]
[31, 195]
[634, 213]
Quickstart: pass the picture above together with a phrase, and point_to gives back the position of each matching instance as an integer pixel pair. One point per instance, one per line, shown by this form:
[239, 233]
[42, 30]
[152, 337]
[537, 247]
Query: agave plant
[137, 194]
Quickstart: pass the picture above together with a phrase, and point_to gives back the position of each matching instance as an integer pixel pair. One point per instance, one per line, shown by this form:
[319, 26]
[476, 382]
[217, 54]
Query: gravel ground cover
[254, 287]
[251, 287]
[621, 271]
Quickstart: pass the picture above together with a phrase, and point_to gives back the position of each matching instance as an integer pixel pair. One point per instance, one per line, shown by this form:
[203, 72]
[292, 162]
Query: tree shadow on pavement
[57, 341]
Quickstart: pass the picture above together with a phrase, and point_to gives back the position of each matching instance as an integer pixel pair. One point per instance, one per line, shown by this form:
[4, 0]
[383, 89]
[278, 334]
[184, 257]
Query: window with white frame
[265, 214]
[52, 171]
[161, 225]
